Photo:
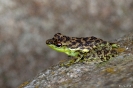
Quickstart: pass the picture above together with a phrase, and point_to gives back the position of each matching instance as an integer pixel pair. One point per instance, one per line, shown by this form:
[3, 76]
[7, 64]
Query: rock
[117, 72]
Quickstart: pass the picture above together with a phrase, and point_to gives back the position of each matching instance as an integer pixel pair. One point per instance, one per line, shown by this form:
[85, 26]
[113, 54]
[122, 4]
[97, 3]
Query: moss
[24, 84]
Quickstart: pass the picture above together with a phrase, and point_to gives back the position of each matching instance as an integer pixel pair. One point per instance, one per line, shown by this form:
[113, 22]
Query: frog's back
[85, 42]
[80, 42]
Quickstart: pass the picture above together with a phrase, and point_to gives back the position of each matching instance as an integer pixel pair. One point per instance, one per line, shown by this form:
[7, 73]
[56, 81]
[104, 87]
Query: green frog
[83, 49]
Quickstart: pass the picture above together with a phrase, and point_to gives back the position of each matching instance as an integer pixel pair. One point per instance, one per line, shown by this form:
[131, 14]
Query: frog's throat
[66, 50]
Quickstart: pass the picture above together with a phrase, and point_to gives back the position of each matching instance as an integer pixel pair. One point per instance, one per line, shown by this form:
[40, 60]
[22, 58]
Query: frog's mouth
[59, 49]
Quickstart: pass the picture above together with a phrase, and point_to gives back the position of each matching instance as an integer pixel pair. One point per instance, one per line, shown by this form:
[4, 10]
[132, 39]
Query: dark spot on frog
[104, 42]
[86, 44]
[113, 51]
[89, 42]
[73, 43]
[99, 52]
[102, 59]
[97, 41]
[79, 45]
[106, 52]
[93, 38]
[85, 39]
[78, 40]
[67, 38]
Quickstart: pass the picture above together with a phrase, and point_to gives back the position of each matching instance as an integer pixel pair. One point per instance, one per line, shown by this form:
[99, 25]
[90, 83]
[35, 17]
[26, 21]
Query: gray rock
[116, 73]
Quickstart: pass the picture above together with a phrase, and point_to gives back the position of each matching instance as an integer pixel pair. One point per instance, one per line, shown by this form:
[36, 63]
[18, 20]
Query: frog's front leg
[79, 58]
[69, 63]
[73, 60]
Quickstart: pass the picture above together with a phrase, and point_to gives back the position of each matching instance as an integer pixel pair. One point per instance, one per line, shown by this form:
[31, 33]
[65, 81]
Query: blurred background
[25, 25]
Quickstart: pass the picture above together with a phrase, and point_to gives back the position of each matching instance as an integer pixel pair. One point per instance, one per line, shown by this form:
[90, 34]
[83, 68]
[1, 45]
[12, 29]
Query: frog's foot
[70, 62]
[102, 63]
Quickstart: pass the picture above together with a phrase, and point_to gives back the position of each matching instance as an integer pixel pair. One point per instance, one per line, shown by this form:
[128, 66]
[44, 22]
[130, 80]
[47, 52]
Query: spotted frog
[83, 49]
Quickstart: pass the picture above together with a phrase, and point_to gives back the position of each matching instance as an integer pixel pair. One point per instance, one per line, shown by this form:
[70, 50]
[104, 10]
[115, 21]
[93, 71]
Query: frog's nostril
[47, 42]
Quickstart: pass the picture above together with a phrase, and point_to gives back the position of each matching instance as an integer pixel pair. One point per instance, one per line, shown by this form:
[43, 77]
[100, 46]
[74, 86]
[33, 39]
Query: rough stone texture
[26, 24]
[116, 73]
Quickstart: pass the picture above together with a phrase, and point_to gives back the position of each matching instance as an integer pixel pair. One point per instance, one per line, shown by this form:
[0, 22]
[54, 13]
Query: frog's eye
[58, 44]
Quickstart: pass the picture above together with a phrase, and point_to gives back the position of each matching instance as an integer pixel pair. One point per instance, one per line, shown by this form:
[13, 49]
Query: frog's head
[59, 42]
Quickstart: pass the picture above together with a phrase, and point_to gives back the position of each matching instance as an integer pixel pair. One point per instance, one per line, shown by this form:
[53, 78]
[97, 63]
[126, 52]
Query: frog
[83, 49]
